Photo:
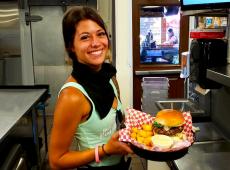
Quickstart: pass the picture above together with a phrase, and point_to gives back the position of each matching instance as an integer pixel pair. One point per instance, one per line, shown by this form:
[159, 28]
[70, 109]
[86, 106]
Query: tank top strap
[77, 86]
[114, 88]
[119, 107]
[81, 88]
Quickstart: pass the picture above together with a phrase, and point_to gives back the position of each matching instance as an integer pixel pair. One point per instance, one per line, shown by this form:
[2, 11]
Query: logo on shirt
[108, 131]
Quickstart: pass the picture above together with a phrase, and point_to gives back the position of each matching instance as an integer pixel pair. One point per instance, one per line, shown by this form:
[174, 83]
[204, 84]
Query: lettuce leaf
[158, 125]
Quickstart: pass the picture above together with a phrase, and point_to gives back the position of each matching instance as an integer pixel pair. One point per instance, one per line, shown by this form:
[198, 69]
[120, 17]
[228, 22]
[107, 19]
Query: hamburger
[168, 122]
[167, 127]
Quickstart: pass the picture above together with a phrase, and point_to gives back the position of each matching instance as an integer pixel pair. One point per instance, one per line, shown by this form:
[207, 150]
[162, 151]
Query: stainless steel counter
[202, 156]
[220, 75]
[211, 151]
[208, 132]
[14, 103]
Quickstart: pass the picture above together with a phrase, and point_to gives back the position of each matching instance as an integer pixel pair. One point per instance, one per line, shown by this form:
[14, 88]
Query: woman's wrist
[104, 150]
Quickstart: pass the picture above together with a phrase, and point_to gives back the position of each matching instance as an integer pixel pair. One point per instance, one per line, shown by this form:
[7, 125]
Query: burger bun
[170, 118]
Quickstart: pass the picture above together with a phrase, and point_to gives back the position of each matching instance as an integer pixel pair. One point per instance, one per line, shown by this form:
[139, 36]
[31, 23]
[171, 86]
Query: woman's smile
[96, 52]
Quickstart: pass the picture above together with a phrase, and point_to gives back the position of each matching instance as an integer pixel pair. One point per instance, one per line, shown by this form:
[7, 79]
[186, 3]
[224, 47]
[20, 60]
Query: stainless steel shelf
[220, 75]
[150, 72]
[206, 12]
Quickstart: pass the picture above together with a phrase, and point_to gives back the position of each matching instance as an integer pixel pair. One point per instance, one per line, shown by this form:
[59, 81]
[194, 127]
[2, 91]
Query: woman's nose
[95, 41]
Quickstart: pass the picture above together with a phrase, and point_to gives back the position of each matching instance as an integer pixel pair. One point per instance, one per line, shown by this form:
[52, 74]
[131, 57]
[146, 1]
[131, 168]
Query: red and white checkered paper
[136, 118]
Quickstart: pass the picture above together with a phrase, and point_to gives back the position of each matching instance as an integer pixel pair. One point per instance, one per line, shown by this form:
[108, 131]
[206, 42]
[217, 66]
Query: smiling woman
[88, 103]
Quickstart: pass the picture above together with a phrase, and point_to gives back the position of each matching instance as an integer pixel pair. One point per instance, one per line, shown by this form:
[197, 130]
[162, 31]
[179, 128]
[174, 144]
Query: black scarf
[96, 85]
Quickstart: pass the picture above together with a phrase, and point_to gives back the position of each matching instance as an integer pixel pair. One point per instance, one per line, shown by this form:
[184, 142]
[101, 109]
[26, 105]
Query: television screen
[159, 35]
[204, 4]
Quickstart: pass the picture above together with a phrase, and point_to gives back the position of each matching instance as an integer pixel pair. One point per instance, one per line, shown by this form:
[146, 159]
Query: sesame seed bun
[170, 118]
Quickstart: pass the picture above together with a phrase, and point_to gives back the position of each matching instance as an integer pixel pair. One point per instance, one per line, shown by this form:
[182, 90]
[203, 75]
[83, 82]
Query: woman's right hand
[114, 146]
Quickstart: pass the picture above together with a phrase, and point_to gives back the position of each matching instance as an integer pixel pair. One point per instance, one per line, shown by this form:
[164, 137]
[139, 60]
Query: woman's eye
[101, 34]
[84, 37]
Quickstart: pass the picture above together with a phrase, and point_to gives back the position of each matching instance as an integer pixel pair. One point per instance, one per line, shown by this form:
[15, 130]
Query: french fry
[133, 135]
[147, 127]
[140, 139]
[134, 129]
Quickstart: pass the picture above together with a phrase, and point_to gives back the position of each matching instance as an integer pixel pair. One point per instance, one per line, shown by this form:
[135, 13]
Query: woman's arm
[72, 107]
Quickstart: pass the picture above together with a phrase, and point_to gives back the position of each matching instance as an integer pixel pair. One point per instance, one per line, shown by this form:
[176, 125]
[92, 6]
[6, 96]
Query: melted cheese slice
[166, 128]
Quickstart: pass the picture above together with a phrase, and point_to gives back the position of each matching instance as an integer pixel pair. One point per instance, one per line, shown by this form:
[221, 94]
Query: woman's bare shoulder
[73, 101]
[72, 95]
[73, 104]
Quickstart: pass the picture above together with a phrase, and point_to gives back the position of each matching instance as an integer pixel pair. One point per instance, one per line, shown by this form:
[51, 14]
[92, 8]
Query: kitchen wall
[123, 14]
[105, 10]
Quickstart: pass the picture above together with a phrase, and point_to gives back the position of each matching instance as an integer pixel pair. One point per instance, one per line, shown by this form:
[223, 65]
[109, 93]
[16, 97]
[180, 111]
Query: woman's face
[90, 44]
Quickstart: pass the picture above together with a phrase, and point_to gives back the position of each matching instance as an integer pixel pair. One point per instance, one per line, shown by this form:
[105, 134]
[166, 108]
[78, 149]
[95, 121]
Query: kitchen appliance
[10, 51]
[204, 54]
[13, 156]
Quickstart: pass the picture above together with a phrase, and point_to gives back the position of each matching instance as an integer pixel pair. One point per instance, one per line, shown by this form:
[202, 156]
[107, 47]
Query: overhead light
[8, 10]
[10, 20]
[8, 15]
[151, 6]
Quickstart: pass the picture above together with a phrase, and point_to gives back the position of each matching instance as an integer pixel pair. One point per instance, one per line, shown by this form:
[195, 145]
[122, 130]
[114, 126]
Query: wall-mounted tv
[204, 4]
[159, 35]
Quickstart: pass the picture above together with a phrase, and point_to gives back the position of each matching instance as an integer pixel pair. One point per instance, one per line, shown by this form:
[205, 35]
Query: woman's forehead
[88, 26]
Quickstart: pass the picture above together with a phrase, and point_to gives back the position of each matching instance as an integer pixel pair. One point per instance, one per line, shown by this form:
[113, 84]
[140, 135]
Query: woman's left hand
[114, 146]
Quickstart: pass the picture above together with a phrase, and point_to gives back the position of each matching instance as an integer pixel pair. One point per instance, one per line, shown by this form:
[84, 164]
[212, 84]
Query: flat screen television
[159, 35]
[204, 4]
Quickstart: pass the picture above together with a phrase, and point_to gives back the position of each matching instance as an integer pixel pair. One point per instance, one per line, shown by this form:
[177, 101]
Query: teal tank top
[95, 131]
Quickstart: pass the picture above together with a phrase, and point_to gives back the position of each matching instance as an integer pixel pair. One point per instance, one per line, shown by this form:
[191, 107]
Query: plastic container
[153, 89]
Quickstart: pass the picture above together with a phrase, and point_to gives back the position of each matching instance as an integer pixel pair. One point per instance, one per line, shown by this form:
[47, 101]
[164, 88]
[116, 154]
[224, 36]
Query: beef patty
[172, 131]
